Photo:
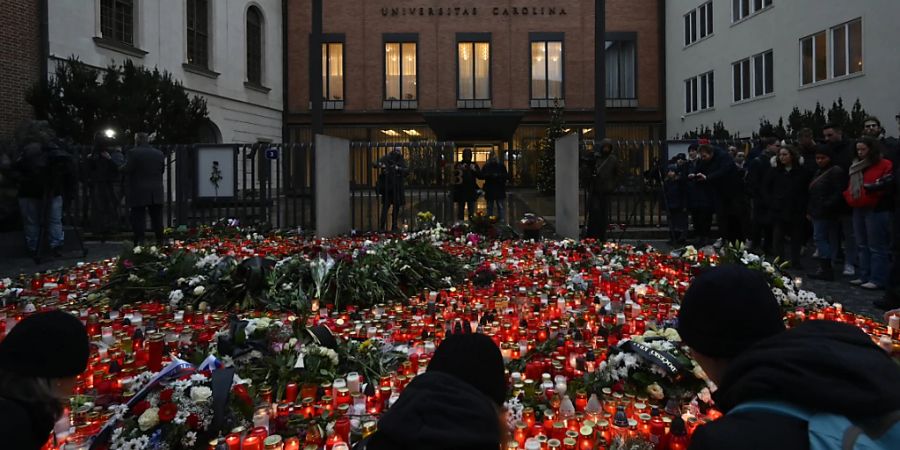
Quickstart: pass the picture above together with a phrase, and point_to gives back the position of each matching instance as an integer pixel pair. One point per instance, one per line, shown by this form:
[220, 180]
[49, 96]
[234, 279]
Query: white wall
[241, 114]
[780, 28]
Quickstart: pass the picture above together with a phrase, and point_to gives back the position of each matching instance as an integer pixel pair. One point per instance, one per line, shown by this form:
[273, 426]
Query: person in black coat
[675, 198]
[742, 345]
[390, 186]
[102, 171]
[40, 360]
[144, 174]
[454, 405]
[721, 173]
[495, 176]
[760, 215]
[699, 197]
[786, 189]
[826, 201]
[465, 185]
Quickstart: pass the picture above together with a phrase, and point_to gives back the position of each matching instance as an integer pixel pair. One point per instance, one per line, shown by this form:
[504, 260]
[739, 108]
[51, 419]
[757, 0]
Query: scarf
[856, 177]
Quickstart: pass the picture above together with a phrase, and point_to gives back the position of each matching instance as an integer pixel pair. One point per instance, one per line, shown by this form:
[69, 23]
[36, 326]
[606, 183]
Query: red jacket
[872, 174]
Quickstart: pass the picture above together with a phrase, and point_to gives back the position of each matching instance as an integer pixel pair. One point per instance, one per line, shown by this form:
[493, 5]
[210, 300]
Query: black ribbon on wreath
[665, 360]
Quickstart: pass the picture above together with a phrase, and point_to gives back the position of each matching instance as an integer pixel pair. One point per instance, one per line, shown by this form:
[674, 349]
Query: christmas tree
[546, 177]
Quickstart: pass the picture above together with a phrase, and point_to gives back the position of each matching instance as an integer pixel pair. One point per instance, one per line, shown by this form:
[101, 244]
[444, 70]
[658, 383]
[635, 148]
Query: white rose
[200, 394]
[199, 290]
[137, 250]
[149, 419]
[153, 249]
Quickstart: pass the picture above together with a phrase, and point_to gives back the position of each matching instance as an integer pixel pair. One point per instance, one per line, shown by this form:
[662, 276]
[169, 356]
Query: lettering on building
[458, 11]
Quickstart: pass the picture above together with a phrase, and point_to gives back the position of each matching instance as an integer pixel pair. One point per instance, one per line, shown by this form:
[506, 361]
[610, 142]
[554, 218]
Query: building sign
[473, 11]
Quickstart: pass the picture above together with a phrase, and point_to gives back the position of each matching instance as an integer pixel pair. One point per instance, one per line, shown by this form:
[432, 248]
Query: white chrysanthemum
[175, 296]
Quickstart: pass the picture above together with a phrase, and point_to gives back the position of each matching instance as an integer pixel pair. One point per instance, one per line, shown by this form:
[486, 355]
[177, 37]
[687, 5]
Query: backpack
[836, 432]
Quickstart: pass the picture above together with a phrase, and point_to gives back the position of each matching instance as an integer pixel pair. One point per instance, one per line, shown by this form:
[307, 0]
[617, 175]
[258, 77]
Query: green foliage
[851, 121]
[80, 100]
[546, 177]
[718, 131]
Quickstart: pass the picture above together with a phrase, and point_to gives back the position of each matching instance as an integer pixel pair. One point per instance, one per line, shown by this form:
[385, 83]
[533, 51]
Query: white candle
[353, 382]
[894, 321]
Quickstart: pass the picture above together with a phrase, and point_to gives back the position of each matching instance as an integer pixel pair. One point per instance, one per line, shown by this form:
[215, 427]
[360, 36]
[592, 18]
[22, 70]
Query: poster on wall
[216, 172]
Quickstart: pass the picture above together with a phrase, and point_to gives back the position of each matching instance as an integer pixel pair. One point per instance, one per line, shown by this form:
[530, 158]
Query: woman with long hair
[39, 362]
[870, 199]
[786, 192]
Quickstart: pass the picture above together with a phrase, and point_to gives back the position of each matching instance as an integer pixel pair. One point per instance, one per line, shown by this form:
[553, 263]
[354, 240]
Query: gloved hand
[880, 184]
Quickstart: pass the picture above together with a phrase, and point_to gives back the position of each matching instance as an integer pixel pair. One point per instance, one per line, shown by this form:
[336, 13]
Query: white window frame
[753, 64]
[693, 89]
[831, 50]
[698, 23]
[744, 9]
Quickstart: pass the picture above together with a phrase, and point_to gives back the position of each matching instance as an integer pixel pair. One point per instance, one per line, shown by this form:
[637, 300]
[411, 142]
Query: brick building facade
[20, 61]
[504, 100]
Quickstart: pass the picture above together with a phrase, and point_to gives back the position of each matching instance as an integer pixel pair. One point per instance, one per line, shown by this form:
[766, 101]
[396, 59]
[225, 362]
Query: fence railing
[273, 184]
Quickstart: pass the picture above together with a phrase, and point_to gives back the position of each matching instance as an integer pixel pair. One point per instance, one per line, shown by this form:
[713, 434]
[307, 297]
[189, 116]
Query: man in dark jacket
[891, 299]
[465, 185]
[390, 187]
[824, 209]
[675, 197]
[719, 171]
[844, 152]
[45, 174]
[495, 175]
[102, 171]
[605, 173]
[455, 405]
[807, 147]
[699, 197]
[144, 172]
[761, 218]
[741, 343]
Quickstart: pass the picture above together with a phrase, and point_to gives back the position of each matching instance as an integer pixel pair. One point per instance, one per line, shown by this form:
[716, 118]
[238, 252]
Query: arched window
[254, 45]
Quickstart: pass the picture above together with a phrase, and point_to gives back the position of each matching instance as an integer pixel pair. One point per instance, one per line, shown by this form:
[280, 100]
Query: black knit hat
[726, 310]
[825, 150]
[50, 345]
[475, 359]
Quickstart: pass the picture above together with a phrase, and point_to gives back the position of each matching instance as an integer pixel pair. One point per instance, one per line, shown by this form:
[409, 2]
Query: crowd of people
[47, 174]
[835, 199]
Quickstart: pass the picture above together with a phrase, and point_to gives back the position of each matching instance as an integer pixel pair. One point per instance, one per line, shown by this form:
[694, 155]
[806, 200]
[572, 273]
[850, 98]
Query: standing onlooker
[786, 188]
[807, 147]
[102, 171]
[891, 299]
[495, 175]
[604, 179]
[40, 360]
[719, 171]
[871, 203]
[844, 153]
[824, 208]
[700, 197]
[675, 196]
[45, 174]
[144, 172]
[761, 234]
[872, 128]
[465, 185]
[390, 186]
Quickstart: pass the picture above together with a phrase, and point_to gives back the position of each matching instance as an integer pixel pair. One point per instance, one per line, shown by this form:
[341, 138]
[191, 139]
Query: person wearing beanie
[826, 202]
[733, 325]
[39, 362]
[455, 405]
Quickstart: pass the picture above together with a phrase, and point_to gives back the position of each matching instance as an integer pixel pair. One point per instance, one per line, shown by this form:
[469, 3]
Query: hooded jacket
[438, 411]
[819, 365]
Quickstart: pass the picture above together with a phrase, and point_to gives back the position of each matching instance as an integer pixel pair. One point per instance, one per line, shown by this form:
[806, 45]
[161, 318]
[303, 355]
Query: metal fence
[260, 183]
[273, 184]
